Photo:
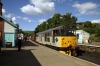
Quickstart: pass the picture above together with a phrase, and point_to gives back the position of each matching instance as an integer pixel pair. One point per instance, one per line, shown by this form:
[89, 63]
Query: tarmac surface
[32, 54]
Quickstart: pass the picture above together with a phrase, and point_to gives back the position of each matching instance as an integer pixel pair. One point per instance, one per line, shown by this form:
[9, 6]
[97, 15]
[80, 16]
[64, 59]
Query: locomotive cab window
[66, 32]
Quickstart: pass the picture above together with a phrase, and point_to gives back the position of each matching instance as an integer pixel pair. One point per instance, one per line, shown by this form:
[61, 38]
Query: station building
[8, 30]
[82, 36]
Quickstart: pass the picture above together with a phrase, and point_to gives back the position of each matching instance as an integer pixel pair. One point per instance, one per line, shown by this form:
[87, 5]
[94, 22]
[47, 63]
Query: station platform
[33, 54]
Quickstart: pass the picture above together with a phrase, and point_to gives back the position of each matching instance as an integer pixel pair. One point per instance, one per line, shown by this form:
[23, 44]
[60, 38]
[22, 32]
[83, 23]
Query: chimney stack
[11, 20]
[1, 8]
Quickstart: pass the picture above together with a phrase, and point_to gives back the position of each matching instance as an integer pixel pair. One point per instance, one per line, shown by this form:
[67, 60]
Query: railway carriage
[61, 37]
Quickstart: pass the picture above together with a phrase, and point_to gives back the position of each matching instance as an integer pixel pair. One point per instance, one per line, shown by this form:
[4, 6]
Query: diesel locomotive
[62, 37]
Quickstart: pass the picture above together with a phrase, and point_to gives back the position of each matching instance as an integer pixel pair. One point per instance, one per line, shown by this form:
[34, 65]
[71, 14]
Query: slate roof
[83, 31]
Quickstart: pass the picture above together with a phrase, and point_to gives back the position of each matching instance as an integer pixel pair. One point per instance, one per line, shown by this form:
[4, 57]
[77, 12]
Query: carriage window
[47, 37]
[56, 32]
[36, 35]
[50, 34]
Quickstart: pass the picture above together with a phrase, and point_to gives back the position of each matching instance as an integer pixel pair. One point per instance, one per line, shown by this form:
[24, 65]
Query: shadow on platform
[28, 43]
[18, 58]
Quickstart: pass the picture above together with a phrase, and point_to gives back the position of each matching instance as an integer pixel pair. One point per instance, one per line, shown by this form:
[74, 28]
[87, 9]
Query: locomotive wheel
[69, 53]
[74, 53]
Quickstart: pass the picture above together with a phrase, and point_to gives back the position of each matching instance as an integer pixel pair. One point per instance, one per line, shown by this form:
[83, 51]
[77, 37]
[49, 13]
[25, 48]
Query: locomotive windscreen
[64, 32]
[67, 27]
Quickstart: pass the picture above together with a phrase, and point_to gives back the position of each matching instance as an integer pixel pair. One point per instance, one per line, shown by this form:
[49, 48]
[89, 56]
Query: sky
[30, 13]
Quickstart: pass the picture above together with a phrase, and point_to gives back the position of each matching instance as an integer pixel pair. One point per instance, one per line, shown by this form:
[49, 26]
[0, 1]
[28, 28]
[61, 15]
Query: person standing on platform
[25, 38]
[19, 39]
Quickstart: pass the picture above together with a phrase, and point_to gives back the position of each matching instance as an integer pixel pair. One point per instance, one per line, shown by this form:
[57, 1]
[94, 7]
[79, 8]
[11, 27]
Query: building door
[9, 37]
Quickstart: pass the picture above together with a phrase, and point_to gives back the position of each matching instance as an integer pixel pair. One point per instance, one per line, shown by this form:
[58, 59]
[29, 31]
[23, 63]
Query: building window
[77, 36]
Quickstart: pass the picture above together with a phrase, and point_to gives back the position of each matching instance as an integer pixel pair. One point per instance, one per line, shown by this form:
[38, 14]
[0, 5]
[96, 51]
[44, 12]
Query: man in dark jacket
[19, 39]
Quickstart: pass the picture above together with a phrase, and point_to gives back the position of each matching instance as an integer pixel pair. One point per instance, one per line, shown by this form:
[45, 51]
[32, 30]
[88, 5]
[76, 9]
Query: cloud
[60, 1]
[14, 20]
[38, 7]
[9, 15]
[95, 12]
[42, 20]
[18, 17]
[13, 17]
[86, 8]
[3, 11]
[28, 20]
[95, 21]
[25, 18]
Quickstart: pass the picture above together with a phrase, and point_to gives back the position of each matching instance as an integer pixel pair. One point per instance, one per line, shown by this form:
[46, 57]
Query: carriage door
[53, 35]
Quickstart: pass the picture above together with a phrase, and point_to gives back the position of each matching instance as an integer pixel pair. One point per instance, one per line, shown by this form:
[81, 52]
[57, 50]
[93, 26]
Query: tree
[42, 26]
[36, 29]
[68, 19]
[57, 20]
[54, 21]
[88, 24]
[94, 25]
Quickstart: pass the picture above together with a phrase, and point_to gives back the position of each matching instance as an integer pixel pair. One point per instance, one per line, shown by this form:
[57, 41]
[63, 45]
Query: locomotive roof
[59, 27]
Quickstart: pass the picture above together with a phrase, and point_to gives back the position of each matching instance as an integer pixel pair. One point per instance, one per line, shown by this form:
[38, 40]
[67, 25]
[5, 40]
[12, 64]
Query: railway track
[93, 57]
[89, 52]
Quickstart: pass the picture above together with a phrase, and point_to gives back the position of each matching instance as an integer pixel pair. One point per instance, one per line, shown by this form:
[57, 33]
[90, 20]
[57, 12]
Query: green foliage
[68, 19]
[89, 30]
[94, 25]
[93, 29]
[92, 36]
[88, 24]
[57, 20]
[28, 33]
